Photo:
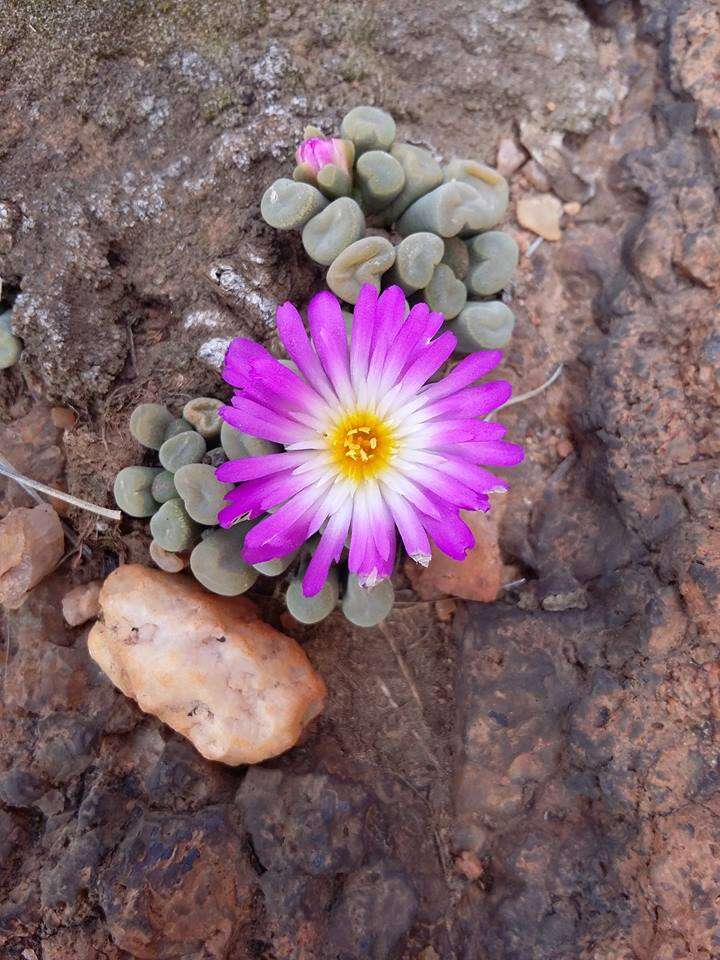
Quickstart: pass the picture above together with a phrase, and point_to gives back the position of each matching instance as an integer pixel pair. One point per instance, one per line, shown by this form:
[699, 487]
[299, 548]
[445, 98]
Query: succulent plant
[202, 414]
[372, 211]
[133, 491]
[448, 253]
[183, 448]
[149, 424]
[367, 606]
[10, 345]
[217, 562]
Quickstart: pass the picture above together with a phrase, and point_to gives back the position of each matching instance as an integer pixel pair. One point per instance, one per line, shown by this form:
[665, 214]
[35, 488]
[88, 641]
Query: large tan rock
[206, 665]
[31, 545]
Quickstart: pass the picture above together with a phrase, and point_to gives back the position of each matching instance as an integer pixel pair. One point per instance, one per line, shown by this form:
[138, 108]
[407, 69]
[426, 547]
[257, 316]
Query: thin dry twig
[404, 669]
[533, 247]
[6, 470]
[384, 689]
[522, 397]
[408, 677]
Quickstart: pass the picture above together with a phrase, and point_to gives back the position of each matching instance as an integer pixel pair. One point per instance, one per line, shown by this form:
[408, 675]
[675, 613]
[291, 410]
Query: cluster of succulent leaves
[10, 345]
[181, 497]
[371, 210]
[388, 212]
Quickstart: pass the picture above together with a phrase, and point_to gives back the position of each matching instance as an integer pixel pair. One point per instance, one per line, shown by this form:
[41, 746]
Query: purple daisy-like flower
[371, 447]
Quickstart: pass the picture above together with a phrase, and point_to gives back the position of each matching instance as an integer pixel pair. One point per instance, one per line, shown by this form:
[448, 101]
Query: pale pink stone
[510, 157]
[31, 545]
[82, 603]
[205, 665]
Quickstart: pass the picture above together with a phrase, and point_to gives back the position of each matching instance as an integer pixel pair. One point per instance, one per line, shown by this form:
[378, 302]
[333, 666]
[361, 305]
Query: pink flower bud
[318, 152]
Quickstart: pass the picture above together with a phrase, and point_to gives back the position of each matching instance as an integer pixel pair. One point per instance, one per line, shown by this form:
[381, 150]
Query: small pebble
[493, 258]
[273, 568]
[536, 176]
[369, 128]
[202, 414]
[167, 561]
[81, 603]
[456, 256]
[201, 493]
[31, 546]
[215, 457]
[173, 528]
[163, 487]
[176, 426]
[148, 423]
[445, 293]
[564, 448]
[380, 178]
[312, 609]
[132, 490]
[572, 209]
[238, 445]
[422, 174]
[63, 418]
[364, 261]
[218, 565]
[367, 606]
[445, 609]
[483, 325]
[510, 157]
[540, 214]
[341, 223]
[188, 447]
[415, 260]
[287, 205]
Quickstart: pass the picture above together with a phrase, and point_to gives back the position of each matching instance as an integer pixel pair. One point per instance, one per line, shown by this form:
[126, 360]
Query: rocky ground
[534, 778]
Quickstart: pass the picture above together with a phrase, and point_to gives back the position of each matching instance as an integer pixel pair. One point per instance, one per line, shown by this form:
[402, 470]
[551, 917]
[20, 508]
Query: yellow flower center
[362, 444]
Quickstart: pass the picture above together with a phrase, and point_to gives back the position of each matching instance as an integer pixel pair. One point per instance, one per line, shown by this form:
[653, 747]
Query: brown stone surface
[479, 576]
[536, 781]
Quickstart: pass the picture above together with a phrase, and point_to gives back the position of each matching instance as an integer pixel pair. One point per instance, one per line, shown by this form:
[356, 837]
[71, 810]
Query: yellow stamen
[362, 445]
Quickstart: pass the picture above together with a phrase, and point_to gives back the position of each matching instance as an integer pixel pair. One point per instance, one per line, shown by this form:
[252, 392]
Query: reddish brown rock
[698, 256]
[31, 545]
[478, 577]
[178, 885]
